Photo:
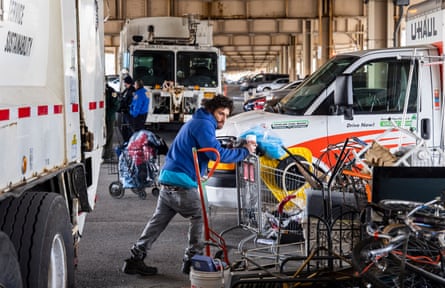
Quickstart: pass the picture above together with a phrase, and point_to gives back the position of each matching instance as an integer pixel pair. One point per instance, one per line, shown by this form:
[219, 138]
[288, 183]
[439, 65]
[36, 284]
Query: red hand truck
[211, 238]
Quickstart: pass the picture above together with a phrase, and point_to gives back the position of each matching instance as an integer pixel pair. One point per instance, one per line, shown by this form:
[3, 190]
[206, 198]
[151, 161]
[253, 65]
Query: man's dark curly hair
[219, 101]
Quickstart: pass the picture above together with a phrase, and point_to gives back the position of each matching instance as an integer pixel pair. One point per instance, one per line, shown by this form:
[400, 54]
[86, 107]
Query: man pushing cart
[178, 193]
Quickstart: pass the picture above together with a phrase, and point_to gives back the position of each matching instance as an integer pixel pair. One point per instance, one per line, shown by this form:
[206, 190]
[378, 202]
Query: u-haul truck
[176, 61]
[323, 110]
[51, 131]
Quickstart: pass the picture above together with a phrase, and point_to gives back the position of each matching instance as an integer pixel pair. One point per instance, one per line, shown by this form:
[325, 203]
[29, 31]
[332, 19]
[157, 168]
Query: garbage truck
[357, 94]
[52, 133]
[177, 62]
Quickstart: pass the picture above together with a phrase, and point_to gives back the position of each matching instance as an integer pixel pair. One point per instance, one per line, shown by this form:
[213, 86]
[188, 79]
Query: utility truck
[52, 133]
[358, 94]
[176, 61]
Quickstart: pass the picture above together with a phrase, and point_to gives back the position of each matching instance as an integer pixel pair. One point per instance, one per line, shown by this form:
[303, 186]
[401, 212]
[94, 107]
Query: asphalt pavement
[115, 224]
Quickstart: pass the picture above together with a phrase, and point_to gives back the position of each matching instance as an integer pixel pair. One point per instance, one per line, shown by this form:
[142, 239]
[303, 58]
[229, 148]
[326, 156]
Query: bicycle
[406, 247]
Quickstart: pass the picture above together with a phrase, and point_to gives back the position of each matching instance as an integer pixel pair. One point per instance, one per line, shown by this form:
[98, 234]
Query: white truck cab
[355, 95]
[176, 61]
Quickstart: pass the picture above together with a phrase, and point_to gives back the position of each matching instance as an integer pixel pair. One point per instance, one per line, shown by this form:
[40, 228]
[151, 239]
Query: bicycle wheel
[387, 270]
[423, 259]
[383, 272]
[399, 207]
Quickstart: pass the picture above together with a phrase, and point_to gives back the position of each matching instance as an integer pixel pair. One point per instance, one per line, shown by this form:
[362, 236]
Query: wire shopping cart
[312, 217]
[271, 206]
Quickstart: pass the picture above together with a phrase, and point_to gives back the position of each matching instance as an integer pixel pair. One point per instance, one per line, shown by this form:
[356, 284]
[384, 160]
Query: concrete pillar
[325, 31]
[292, 56]
[307, 48]
[284, 59]
[324, 49]
[380, 23]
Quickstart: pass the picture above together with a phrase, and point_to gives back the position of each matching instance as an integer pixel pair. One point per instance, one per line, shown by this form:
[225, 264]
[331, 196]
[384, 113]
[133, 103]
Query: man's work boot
[186, 264]
[137, 266]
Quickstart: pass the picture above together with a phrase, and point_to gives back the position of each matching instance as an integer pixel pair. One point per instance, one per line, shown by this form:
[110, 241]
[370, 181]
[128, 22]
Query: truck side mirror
[349, 113]
[343, 95]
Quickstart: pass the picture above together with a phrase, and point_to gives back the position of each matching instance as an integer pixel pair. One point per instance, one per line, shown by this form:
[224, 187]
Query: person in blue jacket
[139, 106]
[179, 193]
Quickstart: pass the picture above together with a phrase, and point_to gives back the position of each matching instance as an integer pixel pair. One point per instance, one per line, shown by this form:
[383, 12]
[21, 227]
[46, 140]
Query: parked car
[243, 79]
[275, 84]
[261, 78]
[263, 99]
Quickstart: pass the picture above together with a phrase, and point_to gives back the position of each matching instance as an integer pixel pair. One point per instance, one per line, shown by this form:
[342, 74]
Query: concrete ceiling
[259, 34]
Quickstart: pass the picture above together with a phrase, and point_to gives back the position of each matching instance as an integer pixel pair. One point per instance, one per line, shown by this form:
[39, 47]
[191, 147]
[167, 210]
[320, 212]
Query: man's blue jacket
[199, 132]
[140, 102]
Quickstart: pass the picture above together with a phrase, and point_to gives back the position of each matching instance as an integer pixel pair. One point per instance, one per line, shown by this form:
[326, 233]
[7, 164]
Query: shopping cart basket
[307, 221]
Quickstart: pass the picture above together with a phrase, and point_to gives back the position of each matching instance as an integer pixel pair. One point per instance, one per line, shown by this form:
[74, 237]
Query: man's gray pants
[173, 200]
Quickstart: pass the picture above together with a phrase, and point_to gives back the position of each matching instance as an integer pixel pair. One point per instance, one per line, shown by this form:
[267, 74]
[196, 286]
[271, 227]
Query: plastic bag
[268, 142]
[146, 137]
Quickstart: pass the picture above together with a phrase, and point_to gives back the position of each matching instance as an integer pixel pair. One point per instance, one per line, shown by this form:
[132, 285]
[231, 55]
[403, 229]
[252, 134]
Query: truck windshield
[310, 89]
[153, 67]
[197, 68]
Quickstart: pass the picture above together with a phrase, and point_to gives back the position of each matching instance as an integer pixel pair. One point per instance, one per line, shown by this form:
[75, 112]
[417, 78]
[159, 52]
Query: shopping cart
[271, 206]
[137, 165]
[301, 232]
[312, 217]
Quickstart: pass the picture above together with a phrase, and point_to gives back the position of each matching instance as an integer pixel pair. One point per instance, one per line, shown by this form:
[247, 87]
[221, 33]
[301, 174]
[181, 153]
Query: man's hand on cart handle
[251, 146]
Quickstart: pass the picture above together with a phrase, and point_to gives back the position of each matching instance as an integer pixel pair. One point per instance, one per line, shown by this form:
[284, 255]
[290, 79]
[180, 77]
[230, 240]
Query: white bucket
[201, 279]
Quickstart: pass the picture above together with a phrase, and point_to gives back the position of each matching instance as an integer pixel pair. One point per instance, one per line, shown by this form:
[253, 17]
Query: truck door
[430, 118]
[378, 93]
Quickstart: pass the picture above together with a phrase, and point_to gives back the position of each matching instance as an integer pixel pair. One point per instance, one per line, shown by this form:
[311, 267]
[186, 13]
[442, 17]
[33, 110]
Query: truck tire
[10, 276]
[38, 225]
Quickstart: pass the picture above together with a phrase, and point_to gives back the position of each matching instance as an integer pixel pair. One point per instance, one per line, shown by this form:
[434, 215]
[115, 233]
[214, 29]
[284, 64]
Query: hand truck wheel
[116, 190]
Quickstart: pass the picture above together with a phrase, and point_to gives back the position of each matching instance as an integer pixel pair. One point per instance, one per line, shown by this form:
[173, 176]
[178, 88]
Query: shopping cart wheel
[116, 190]
[155, 192]
[142, 194]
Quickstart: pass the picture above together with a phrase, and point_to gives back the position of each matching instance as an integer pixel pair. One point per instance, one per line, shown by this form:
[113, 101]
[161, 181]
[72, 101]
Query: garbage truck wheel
[116, 190]
[42, 236]
[10, 276]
